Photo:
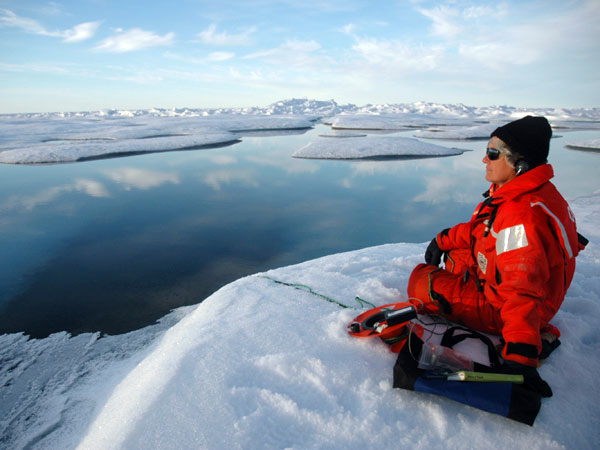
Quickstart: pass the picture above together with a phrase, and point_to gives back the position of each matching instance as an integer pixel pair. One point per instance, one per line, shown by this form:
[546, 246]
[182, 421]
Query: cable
[303, 287]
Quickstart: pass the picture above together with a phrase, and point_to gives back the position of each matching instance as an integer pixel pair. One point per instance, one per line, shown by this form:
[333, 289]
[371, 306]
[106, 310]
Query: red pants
[452, 294]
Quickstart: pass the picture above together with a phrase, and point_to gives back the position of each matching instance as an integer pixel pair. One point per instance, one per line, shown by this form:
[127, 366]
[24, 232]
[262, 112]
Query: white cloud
[292, 53]
[443, 21]
[78, 33]
[211, 37]
[348, 29]
[10, 19]
[220, 56]
[81, 32]
[398, 55]
[134, 39]
[496, 37]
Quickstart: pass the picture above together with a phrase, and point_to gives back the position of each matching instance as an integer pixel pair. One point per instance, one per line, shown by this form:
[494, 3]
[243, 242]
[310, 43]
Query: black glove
[533, 381]
[433, 254]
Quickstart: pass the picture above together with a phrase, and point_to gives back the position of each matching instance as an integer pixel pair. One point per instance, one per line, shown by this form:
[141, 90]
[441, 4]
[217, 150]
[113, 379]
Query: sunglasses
[493, 153]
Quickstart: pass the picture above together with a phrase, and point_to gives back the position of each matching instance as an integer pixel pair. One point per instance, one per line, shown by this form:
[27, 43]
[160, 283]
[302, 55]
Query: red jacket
[525, 261]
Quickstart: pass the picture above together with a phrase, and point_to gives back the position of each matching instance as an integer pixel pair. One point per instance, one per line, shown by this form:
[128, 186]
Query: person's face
[498, 171]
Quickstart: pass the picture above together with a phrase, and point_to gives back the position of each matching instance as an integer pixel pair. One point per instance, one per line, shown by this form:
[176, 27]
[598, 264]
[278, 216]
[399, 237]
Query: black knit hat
[529, 136]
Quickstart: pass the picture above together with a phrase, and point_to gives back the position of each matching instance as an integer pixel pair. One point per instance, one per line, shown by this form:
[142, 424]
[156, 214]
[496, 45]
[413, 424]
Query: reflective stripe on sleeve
[561, 228]
[511, 238]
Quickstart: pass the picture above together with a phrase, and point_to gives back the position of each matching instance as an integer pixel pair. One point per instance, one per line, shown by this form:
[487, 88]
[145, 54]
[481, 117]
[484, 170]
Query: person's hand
[433, 254]
[533, 381]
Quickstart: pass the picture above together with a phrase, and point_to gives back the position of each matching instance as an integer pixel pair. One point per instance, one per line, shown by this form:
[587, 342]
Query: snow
[264, 365]
[462, 133]
[589, 144]
[372, 147]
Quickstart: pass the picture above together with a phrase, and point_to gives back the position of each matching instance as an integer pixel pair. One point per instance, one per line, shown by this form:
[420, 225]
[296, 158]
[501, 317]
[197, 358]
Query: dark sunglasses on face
[493, 153]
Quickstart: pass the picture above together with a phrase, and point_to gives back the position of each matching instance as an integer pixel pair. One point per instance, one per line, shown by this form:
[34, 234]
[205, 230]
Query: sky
[101, 54]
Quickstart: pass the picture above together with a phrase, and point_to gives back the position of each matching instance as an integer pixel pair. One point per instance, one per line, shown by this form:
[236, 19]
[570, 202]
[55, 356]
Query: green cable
[308, 289]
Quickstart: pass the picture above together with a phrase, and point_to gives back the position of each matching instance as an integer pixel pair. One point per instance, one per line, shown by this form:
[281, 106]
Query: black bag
[506, 399]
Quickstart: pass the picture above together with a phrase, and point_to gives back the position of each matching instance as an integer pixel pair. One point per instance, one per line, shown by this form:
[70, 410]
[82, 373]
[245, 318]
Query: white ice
[263, 365]
[459, 133]
[387, 121]
[372, 147]
[588, 144]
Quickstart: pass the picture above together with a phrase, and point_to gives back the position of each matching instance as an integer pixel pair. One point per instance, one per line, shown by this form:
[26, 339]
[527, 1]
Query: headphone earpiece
[521, 166]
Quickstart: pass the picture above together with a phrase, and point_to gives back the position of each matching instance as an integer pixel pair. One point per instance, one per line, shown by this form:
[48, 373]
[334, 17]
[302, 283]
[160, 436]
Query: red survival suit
[509, 268]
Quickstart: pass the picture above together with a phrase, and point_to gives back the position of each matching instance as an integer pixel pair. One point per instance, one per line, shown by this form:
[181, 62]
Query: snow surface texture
[372, 147]
[263, 365]
[80, 136]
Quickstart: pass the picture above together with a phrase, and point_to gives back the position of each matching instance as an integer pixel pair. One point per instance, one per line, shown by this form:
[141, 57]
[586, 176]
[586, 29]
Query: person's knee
[418, 283]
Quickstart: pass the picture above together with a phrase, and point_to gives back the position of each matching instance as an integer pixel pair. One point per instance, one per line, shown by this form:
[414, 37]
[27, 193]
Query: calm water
[113, 245]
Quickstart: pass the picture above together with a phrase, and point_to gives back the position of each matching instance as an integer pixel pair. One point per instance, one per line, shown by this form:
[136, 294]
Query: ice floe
[372, 147]
[463, 133]
[590, 144]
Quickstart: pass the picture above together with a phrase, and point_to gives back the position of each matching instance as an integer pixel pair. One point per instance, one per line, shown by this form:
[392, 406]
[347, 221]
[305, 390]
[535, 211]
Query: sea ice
[395, 122]
[590, 144]
[459, 134]
[372, 147]
[47, 139]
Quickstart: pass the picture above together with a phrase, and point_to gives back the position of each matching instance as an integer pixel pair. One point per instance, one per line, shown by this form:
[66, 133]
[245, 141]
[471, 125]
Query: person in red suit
[508, 268]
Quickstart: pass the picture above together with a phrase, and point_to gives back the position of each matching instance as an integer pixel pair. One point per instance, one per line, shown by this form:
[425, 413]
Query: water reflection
[112, 245]
[133, 177]
[28, 202]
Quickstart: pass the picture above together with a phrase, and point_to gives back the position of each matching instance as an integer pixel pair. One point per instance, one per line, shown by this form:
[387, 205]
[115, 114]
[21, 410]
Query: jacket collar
[530, 180]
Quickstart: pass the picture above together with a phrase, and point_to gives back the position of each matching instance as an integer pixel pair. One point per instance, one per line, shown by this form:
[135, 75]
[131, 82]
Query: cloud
[348, 29]
[78, 33]
[211, 37]
[398, 55]
[443, 21]
[292, 53]
[220, 56]
[81, 32]
[500, 37]
[132, 40]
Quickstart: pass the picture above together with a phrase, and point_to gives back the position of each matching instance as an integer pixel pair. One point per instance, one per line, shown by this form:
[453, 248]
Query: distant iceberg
[373, 147]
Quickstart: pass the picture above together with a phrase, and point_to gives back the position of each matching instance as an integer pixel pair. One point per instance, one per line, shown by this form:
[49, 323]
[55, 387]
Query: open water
[113, 245]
